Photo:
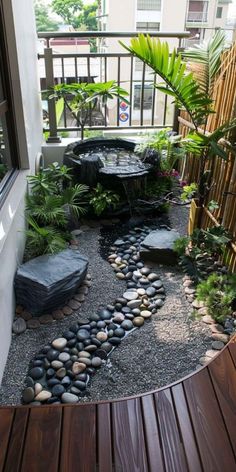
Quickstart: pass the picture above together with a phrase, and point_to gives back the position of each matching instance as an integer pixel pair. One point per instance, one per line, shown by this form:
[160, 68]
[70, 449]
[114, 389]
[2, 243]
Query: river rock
[28, 395]
[43, 396]
[19, 326]
[130, 295]
[146, 314]
[138, 321]
[69, 398]
[59, 343]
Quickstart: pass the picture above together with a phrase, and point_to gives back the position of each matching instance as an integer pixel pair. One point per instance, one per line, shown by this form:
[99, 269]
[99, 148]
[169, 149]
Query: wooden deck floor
[189, 426]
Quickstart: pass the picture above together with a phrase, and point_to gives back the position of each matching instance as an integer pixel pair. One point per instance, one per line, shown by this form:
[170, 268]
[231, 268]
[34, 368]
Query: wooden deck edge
[132, 397]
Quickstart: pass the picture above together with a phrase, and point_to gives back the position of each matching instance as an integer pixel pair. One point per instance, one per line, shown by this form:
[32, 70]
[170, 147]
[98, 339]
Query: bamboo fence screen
[223, 189]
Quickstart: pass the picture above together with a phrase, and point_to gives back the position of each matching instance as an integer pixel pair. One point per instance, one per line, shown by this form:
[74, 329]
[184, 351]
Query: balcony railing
[148, 108]
[197, 17]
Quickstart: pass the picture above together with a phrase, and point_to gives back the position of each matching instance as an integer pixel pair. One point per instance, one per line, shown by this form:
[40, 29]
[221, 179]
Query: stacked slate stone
[60, 372]
[46, 282]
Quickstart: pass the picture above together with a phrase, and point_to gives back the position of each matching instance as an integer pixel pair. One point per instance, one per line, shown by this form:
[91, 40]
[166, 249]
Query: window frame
[219, 9]
[7, 111]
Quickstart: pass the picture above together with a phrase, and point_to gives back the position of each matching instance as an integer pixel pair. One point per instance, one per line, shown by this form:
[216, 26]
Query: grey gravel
[167, 347]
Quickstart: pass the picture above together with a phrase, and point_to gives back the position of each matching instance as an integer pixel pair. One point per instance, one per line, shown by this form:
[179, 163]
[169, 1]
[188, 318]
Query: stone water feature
[111, 162]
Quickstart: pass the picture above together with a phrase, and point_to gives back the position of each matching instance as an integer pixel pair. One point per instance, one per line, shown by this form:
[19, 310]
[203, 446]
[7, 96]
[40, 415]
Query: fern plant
[43, 240]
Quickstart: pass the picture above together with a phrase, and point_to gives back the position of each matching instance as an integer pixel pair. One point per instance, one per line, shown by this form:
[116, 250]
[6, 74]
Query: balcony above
[197, 17]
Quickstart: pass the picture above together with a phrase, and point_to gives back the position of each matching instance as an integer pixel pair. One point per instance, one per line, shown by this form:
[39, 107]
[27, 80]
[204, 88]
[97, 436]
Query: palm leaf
[180, 84]
[206, 58]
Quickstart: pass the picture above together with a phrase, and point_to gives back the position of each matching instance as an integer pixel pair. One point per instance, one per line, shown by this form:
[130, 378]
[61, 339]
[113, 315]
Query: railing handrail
[111, 34]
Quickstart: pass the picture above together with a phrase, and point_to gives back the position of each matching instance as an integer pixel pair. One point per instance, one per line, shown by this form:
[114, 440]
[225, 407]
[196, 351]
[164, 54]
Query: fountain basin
[106, 161]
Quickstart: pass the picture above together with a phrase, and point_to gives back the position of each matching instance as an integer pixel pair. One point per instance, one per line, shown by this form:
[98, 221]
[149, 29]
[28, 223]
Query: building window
[8, 142]
[154, 5]
[219, 12]
[197, 11]
[147, 97]
[147, 26]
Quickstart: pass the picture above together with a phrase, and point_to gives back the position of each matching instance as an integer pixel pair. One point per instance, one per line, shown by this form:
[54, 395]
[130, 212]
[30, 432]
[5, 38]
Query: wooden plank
[42, 443]
[232, 349]
[104, 438]
[6, 417]
[173, 450]
[128, 437]
[223, 375]
[187, 433]
[211, 435]
[78, 452]
[152, 438]
[16, 445]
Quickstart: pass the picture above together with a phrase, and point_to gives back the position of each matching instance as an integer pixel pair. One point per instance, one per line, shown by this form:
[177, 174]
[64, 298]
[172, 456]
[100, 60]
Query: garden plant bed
[164, 349]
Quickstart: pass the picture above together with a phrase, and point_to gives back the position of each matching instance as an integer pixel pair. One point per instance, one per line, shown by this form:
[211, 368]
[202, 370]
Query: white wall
[21, 42]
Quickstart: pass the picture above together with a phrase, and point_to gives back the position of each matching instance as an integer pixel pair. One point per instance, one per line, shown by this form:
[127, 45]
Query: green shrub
[218, 293]
[102, 200]
[181, 244]
[189, 192]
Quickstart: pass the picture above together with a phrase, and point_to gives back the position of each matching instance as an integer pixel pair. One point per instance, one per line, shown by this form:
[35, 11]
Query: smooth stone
[61, 373]
[82, 377]
[68, 335]
[104, 314]
[96, 362]
[66, 381]
[101, 324]
[189, 291]
[106, 347]
[150, 291]
[121, 300]
[130, 295]
[129, 316]
[90, 348]
[198, 304]
[56, 364]
[118, 318]
[85, 361]
[78, 367]
[134, 303]
[136, 311]
[19, 326]
[120, 276]
[146, 314]
[69, 398]
[84, 354]
[157, 284]
[28, 395]
[101, 336]
[202, 311]
[37, 373]
[119, 242]
[208, 319]
[127, 325]
[58, 390]
[211, 353]
[115, 341]
[52, 354]
[158, 303]
[153, 277]
[43, 396]
[138, 321]
[141, 291]
[83, 334]
[220, 337]
[59, 343]
[64, 357]
[52, 382]
[217, 345]
[120, 332]
[80, 385]
[144, 281]
[137, 274]
[38, 388]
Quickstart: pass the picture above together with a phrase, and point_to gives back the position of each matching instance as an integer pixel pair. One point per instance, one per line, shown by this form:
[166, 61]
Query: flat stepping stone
[158, 246]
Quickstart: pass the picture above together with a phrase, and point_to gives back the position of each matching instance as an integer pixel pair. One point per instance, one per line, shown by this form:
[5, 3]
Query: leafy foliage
[189, 191]
[178, 83]
[81, 99]
[218, 293]
[51, 204]
[43, 240]
[208, 55]
[43, 20]
[102, 200]
[180, 245]
[213, 205]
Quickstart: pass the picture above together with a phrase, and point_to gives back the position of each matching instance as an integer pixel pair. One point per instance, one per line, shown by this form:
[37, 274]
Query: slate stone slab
[46, 282]
[158, 246]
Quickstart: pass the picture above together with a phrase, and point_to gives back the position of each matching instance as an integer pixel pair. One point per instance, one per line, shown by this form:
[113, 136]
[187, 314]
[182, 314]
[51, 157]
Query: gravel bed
[163, 350]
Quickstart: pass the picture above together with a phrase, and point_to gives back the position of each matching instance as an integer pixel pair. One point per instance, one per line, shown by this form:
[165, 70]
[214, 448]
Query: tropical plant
[189, 191]
[218, 293]
[82, 99]
[102, 200]
[206, 59]
[51, 204]
[43, 240]
[188, 95]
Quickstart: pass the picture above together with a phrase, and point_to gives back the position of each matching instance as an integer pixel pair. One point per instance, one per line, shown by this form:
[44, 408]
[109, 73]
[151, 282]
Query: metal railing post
[53, 137]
